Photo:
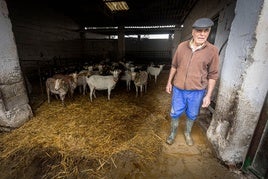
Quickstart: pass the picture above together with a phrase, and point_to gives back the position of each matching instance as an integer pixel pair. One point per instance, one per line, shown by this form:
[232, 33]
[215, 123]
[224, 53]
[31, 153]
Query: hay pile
[83, 140]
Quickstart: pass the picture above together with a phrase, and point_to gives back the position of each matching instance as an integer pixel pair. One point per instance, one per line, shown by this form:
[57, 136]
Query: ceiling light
[116, 5]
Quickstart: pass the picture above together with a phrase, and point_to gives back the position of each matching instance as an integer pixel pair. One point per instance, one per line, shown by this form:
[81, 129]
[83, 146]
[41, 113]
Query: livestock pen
[119, 138]
[86, 139]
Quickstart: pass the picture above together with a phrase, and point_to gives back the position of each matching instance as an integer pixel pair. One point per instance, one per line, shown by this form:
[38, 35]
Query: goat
[154, 71]
[127, 77]
[81, 80]
[140, 81]
[70, 79]
[57, 87]
[86, 69]
[99, 82]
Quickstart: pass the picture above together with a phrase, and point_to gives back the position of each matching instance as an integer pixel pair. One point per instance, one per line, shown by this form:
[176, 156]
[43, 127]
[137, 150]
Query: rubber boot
[187, 132]
[173, 131]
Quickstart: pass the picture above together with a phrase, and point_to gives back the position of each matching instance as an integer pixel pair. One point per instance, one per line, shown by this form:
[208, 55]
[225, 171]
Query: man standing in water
[192, 78]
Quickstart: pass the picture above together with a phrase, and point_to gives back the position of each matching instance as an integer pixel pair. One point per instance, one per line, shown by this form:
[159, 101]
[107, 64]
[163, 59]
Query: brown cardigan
[195, 68]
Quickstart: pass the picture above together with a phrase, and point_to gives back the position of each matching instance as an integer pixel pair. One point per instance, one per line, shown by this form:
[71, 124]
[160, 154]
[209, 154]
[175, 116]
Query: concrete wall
[226, 16]
[244, 82]
[14, 107]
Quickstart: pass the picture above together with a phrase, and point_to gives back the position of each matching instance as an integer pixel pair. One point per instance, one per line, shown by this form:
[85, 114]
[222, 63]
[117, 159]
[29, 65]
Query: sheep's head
[75, 76]
[58, 83]
[115, 74]
[133, 75]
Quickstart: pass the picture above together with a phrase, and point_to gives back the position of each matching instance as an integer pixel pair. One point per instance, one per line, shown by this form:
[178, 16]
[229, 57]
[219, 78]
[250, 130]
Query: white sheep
[99, 82]
[81, 82]
[155, 71]
[127, 77]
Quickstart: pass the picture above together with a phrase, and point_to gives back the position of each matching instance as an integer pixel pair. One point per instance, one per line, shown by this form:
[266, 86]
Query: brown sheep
[57, 87]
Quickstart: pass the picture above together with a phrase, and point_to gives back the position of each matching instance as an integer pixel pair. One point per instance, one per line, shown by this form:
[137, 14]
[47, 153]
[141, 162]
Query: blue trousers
[186, 101]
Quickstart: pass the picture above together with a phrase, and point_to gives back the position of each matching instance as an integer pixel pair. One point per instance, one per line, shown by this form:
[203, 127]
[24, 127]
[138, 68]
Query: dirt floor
[172, 161]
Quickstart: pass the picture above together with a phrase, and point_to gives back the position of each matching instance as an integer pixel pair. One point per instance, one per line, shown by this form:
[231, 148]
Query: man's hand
[206, 101]
[169, 88]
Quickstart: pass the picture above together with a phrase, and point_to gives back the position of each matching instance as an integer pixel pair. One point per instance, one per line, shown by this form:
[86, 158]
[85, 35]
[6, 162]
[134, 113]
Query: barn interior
[43, 38]
[85, 33]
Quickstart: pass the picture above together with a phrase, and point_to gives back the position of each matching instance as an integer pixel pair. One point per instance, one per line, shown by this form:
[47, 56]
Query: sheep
[86, 69]
[154, 71]
[57, 87]
[127, 77]
[70, 79]
[81, 82]
[127, 65]
[99, 82]
[81, 79]
[140, 80]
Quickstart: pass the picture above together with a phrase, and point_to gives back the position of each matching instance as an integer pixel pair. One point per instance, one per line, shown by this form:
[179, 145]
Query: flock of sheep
[104, 78]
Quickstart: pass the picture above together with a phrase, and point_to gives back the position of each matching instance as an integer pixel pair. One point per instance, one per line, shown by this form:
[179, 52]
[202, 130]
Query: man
[192, 77]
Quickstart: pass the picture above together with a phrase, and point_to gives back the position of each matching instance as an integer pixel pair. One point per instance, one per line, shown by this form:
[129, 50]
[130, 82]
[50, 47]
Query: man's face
[200, 35]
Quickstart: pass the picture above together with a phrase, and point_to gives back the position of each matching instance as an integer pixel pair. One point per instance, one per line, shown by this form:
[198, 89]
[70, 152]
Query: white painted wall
[243, 82]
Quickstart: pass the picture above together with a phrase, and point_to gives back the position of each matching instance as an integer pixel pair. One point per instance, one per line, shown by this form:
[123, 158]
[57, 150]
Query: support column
[243, 82]
[177, 39]
[121, 43]
[14, 107]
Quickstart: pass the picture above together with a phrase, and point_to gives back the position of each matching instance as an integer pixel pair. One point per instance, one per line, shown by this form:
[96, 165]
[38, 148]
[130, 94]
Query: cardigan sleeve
[213, 70]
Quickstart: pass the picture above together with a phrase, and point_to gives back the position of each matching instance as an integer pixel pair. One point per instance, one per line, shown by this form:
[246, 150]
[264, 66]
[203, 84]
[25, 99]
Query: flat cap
[203, 23]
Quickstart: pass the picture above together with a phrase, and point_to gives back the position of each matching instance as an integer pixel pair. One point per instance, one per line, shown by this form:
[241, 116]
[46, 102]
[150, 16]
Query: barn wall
[42, 35]
[96, 50]
[137, 50]
[226, 16]
[14, 107]
[244, 82]
[203, 8]
[149, 50]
